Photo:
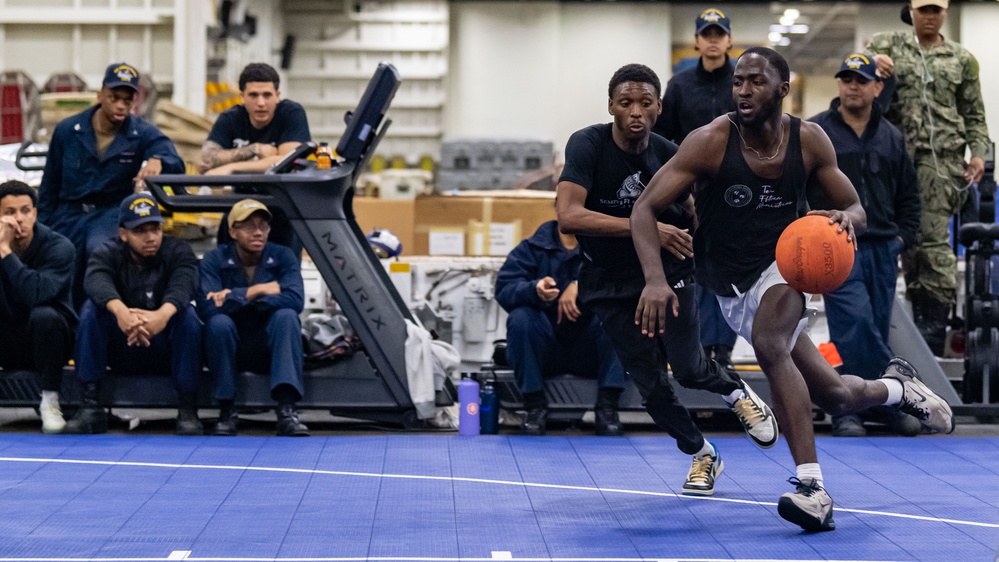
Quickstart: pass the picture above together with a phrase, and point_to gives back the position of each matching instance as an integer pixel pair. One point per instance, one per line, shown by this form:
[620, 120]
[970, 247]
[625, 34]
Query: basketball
[812, 256]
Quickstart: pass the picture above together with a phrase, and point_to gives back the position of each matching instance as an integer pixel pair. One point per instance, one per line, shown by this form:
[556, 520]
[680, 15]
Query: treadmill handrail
[182, 200]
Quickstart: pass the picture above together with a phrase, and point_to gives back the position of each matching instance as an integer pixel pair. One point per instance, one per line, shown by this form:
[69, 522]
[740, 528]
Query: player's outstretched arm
[670, 184]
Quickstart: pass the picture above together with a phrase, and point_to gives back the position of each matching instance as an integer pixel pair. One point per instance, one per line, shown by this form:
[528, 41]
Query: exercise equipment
[371, 384]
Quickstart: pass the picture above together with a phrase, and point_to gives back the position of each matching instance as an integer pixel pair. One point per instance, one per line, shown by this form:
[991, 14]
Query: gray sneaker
[810, 507]
[704, 470]
[917, 398]
[757, 419]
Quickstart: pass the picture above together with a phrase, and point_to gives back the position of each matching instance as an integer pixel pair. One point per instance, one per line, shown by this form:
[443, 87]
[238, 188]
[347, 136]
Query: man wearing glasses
[250, 298]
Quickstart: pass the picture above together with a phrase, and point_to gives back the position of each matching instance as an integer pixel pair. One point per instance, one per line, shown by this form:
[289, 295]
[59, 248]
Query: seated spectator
[250, 298]
[37, 321]
[138, 317]
[255, 135]
[547, 331]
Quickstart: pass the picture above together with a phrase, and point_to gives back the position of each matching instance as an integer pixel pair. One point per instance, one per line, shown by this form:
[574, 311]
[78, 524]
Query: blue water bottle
[489, 411]
[468, 401]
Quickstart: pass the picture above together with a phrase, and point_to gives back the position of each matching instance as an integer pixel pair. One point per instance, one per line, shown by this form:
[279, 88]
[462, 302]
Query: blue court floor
[449, 498]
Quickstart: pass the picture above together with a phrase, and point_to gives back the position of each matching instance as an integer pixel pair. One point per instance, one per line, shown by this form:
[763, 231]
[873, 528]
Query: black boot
[90, 418]
[187, 416]
[930, 317]
[288, 424]
[937, 315]
[228, 424]
[537, 413]
[607, 422]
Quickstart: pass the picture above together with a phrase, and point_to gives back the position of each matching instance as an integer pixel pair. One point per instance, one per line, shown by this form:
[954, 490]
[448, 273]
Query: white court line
[423, 559]
[479, 481]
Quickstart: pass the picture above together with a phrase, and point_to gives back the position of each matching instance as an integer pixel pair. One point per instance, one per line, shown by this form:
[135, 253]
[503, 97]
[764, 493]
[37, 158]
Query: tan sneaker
[809, 507]
[704, 470]
[917, 398]
[52, 420]
[756, 417]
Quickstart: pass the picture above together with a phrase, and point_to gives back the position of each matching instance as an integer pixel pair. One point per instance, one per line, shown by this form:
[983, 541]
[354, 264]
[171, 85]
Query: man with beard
[606, 169]
[139, 317]
[749, 171]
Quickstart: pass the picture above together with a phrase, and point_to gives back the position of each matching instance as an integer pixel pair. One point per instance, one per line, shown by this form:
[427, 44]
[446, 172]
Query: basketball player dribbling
[749, 169]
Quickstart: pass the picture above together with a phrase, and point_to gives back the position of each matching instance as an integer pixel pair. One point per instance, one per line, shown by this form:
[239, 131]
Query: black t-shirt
[232, 129]
[614, 179]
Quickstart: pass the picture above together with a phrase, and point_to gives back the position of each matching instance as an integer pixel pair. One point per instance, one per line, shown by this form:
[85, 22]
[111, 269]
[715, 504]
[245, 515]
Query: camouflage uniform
[938, 107]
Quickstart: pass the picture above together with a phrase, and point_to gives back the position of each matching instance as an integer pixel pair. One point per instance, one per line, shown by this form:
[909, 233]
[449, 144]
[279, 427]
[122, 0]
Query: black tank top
[742, 215]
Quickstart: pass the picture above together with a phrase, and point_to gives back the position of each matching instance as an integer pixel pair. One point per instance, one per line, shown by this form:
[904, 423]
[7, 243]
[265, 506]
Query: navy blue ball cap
[138, 209]
[713, 16]
[121, 74]
[859, 63]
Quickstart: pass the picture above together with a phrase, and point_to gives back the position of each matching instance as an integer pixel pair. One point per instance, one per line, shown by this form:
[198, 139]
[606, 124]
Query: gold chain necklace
[757, 152]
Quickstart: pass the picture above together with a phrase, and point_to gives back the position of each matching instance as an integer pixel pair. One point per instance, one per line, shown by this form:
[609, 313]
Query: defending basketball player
[749, 171]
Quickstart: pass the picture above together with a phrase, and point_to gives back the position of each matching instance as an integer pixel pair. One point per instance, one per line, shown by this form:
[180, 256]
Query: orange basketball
[812, 256]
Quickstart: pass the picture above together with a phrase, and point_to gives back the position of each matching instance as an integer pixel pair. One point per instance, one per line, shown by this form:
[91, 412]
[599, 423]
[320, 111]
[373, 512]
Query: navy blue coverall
[536, 344]
[261, 335]
[80, 191]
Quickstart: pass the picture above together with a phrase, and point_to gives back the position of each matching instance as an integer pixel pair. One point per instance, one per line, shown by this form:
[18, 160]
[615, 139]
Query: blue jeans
[859, 311]
[536, 347]
[272, 344]
[176, 350]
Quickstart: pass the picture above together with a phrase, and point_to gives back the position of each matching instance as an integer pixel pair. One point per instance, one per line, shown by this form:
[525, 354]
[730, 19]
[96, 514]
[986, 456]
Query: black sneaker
[228, 424]
[89, 419]
[534, 423]
[809, 507]
[288, 424]
[188, 422]
[607, 422]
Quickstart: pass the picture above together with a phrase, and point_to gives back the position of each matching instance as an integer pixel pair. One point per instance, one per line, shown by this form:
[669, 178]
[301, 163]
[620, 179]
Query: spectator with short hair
[37, 321]
[139, 317]
[96, 159]
[255, 135]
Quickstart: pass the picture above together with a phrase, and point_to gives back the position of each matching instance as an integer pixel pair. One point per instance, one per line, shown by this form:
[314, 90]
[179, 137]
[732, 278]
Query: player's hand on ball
[656, 301]
[845, 223]
[676, 241]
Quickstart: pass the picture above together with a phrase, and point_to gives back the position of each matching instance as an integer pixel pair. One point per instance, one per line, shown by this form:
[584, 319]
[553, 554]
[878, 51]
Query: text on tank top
[742, 215]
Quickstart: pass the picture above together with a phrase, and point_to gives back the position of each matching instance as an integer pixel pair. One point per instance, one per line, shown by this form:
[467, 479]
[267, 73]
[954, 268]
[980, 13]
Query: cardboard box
[437, 212]
[396, 215]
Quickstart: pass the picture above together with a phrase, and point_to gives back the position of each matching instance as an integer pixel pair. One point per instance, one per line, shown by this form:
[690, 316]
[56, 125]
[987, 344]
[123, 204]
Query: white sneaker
[756, 417]
[917, 398]
[704, 470]
[52, 420]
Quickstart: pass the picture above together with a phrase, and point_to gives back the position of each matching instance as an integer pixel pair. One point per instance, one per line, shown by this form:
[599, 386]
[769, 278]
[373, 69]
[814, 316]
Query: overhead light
[784, 41]
[798, 29]
[792, 13]
[775, 37]
[787, 20]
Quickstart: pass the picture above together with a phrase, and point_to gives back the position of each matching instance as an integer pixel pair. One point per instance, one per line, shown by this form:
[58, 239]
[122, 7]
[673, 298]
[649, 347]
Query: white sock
[50, 396]
[736, 395]
[707, 449]
[807, 471]
[894, 391]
